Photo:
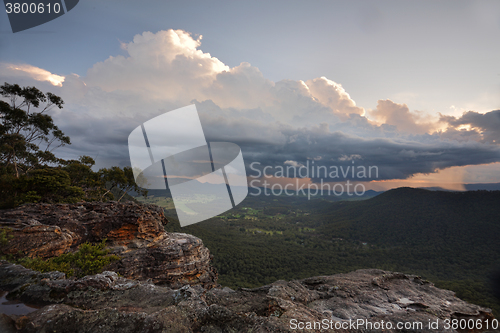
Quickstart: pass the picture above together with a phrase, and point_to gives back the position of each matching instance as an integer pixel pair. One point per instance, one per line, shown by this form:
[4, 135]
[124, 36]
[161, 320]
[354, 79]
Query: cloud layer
[276, 123]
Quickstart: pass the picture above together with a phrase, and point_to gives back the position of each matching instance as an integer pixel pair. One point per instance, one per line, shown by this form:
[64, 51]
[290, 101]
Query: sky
[410, 87]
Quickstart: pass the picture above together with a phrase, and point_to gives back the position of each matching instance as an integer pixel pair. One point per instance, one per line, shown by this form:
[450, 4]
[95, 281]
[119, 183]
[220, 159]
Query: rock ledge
[109, 303]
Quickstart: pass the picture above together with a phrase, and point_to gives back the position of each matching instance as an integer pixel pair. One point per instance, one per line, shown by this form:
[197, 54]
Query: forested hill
[450, 238]
[463, 221]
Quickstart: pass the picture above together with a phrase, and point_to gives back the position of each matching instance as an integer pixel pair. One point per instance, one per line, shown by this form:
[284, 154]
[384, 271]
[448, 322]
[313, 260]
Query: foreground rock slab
[109, 303]
[133, 231]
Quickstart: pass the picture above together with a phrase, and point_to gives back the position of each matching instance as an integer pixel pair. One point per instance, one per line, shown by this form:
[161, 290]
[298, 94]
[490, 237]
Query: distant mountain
[366, 195]
[468, 187]
[487, 186]
[437, 188]
[372, 193]
[263, 193]
[461, 229]
[417, 216]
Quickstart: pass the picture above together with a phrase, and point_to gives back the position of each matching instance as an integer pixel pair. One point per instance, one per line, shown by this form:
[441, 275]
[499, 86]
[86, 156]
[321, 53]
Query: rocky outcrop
[108, 303]
[120, 223]
[173, 259]
[132, 231]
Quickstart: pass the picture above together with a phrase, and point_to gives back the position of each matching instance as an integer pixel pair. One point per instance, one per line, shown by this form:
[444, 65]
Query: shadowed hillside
[459, 221]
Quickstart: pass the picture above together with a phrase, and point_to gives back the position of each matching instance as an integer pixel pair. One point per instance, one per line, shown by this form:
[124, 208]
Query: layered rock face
[132, 231]
[108, 303]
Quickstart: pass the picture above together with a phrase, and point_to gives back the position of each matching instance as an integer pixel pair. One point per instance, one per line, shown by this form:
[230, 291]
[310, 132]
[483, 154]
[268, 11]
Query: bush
[50, 265]
[5, 236]
[88, 260]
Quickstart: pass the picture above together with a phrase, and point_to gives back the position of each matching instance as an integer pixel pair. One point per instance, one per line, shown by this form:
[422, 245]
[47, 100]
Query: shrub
[5, 236]
[89, 259]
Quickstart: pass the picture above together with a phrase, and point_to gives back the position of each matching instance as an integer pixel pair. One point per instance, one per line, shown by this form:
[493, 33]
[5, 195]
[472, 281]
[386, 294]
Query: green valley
[449, 238]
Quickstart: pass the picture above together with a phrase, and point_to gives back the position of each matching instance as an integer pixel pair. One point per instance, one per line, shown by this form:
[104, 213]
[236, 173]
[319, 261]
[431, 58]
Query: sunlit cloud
[39, 74]
[333, 95]
[285, 123]
[400, 116]
[453, 178]
[293, 163]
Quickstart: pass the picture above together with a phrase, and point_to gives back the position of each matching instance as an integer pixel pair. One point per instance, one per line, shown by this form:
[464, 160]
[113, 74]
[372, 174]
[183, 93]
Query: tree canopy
[28, 134]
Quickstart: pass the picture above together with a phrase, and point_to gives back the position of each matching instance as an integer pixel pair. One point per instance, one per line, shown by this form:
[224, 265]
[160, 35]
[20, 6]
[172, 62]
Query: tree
[81, 175]
[122, 180]
[28, 135]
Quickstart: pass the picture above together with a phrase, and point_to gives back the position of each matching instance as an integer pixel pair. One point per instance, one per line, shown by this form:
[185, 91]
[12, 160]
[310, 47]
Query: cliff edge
[132, 231]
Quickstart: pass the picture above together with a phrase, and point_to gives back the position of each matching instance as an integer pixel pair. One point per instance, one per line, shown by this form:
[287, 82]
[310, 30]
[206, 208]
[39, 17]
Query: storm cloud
[284, 123]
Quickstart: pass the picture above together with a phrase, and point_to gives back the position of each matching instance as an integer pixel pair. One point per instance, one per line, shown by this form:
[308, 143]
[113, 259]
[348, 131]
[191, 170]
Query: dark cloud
[267, 141]
[395, 159]
[273, 122]
[481, 127]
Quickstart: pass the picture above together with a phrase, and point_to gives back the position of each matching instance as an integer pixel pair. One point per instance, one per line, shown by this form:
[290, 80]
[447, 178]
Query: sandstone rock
[119, 222]
[39, 241]
[109, 303]
[132, 231]
[173, 259]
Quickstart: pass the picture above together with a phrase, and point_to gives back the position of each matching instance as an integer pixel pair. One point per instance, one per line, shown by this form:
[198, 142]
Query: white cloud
[36, 73]
[294, 163]
[165, 66]
[399, 115]
[165, 70]
[333, 95]
[168, 66]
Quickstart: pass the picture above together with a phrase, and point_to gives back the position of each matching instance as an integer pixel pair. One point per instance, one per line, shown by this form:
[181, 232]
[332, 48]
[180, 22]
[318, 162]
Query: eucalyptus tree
[28, 134]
